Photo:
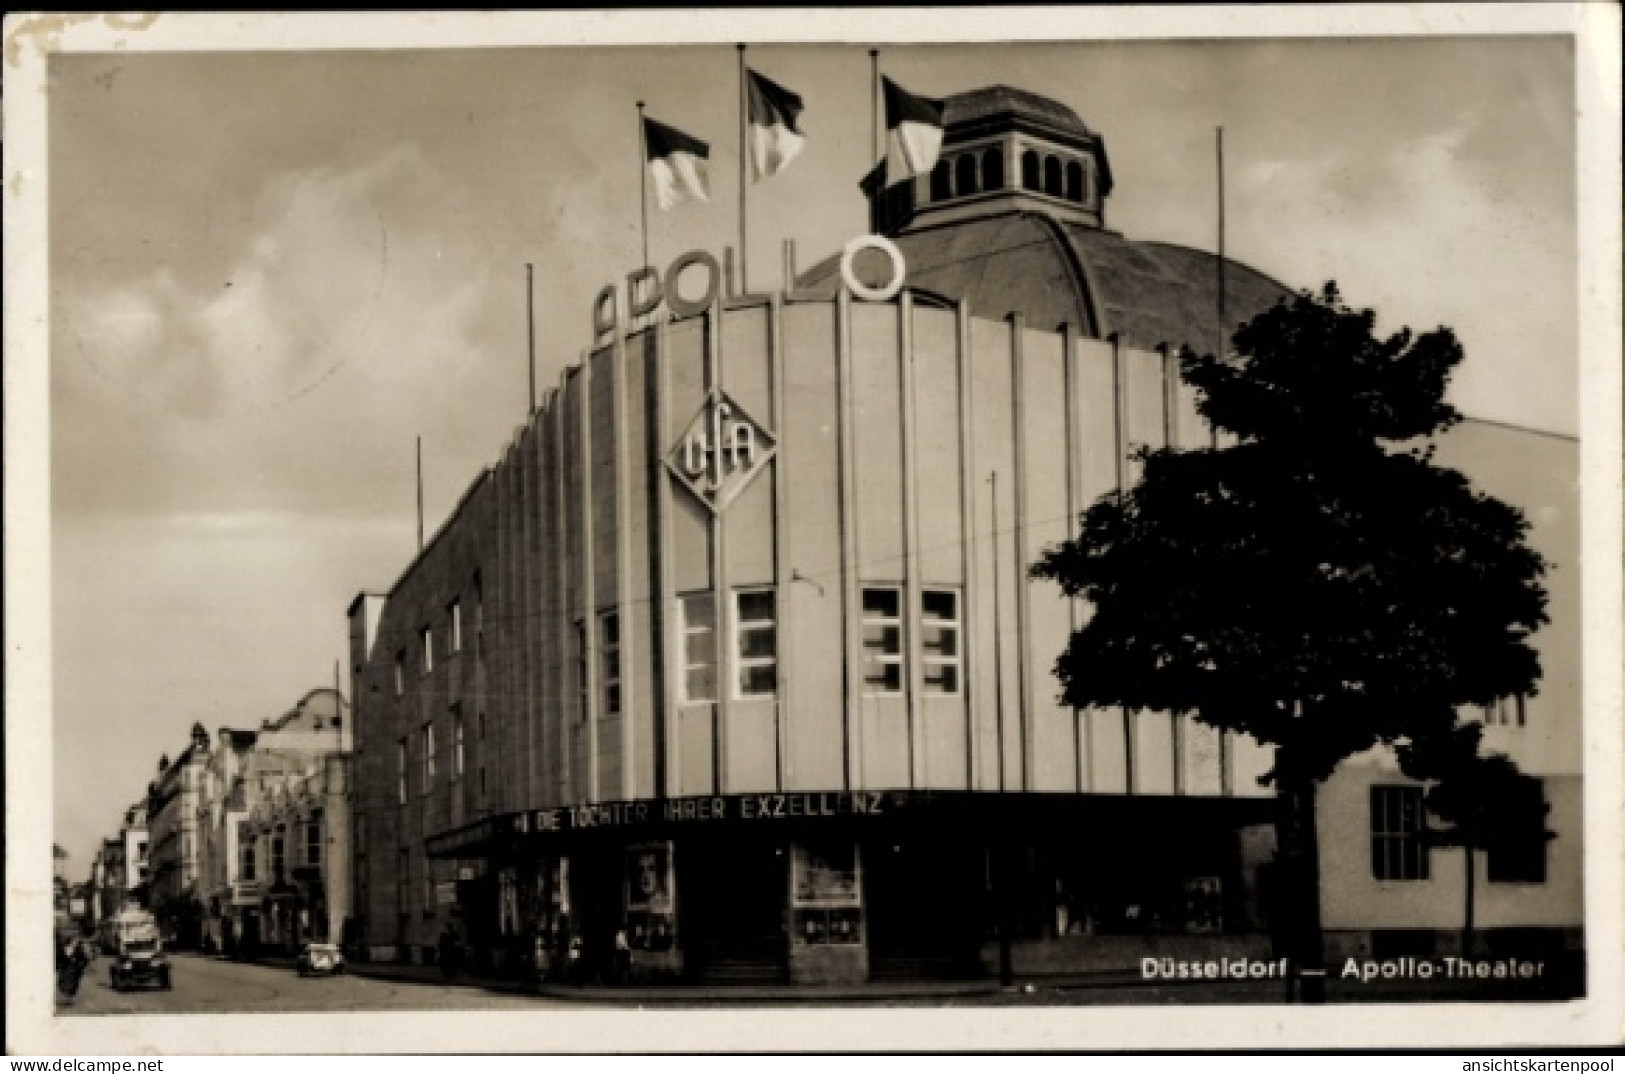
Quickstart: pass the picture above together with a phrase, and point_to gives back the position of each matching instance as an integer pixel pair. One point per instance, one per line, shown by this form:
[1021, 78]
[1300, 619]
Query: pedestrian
[623, 957]
[70, 966]
[449, 952]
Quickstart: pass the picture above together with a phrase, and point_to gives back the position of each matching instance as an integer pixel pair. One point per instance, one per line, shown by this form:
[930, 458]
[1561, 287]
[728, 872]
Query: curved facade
[732, 661]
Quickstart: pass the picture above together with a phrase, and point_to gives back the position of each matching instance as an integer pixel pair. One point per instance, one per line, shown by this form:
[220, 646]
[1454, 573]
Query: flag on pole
[774, 138]
[913, 133]
[679, 163]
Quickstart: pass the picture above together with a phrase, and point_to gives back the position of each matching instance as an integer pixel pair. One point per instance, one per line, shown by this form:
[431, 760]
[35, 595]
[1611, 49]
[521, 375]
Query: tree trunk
[1298, 855]
[1467, 927]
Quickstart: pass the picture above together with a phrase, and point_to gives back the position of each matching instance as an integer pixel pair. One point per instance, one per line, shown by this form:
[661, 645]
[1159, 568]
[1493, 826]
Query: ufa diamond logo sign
[722, 449]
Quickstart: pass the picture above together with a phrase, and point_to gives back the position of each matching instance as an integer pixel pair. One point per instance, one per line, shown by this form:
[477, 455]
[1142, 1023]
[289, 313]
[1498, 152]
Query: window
[428, 756]
[965, 175]
[428, 893]
[756, 643]
[245, 861]
[457, 739]
[1029, 171]
[313, 843]
[1052, 176]
[609, 661]
[699, 611]
[400, 772]
[400, 672]
[454, 615]
[1397, 822]
[939, 640]
[1506, 711]
[941, 182]
[479, 615]
[428, 650]
[482, 784]
[1074, 181]
[882, 641]
[583, 701]
[278, 854]
[993, 168]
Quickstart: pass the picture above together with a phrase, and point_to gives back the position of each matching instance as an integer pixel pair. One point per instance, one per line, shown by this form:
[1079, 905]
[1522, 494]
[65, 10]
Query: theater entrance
[731, 905]
[924, 903]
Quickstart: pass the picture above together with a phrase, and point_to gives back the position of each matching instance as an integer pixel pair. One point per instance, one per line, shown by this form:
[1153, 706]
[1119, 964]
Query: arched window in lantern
[993, 168]
[1074, 182]
[941, 182]
[1029, 171]
[1052, 176]
[965, 175]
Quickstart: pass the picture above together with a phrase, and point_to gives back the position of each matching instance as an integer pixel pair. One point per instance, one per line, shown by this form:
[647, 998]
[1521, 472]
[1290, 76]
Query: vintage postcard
[1078, 529]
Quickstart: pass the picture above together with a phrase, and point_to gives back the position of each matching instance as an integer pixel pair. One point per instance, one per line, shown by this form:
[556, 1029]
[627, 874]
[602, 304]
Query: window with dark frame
[428, 649]
[400, 672]
[1518, 860]
[699, 626]
[313, 843]
[939, 641]
[756, 643]
[609, 662]
[400, 772]
[428, 757]
[457, 740]
[454, 627]
[1398, 825]
[882, 640]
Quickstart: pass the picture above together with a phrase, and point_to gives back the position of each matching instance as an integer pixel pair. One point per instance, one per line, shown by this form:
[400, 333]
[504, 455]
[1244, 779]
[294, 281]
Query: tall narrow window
[609, 661]
[1030, 179]
[400, 673]
[965, 175]
[939, 640]
[428, 650]
[583, 699]
[457, 740]
[313, 843]
[993, 168]
[1052, 176]
[699, 648]
[756, 641]
[1074, 181]
[279, 857]
[428, 756]
[245, 861]
[882, 641]
[479, 615]
[400, 772]
[1397, 822]
[454, 619]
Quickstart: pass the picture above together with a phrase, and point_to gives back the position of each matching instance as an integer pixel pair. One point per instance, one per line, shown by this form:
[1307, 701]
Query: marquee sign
[720, 451]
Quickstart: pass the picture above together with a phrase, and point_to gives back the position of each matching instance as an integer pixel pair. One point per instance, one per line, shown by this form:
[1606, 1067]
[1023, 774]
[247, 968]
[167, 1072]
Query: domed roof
[1008, 103]
[1054, 272]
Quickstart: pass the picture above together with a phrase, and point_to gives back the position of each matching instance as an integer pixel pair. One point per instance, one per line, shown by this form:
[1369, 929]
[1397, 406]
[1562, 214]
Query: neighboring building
[222, 805]
[263, 880]
[120, 871]
[735, 647]
[300, 827]
[172, 820]
[1383, 893]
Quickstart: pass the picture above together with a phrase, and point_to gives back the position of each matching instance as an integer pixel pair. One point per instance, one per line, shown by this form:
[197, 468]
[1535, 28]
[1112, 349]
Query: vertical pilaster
[850, 615]
[782, 524]
[1024, 625]
[967, 527]
[915, 685]
[727, 650]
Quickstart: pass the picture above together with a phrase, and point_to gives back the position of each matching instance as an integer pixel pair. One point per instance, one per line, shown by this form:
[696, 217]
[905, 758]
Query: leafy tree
[1317, 581]
[1485, 802]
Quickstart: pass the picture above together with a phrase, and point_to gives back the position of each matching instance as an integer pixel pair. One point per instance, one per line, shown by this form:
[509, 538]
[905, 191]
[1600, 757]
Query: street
[213, 986]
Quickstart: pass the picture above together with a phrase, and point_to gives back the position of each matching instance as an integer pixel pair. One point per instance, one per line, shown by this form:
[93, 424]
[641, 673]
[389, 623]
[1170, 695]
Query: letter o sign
[857, 286]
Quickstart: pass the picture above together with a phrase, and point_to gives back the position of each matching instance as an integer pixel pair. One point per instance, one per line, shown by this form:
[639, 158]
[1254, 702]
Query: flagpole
[744, 120]
[874, 101]
[1218, 147]
[643, 184]
[530, 328]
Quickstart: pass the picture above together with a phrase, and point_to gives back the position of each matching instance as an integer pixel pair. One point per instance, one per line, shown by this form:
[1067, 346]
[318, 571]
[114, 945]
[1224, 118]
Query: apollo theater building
[734, 649]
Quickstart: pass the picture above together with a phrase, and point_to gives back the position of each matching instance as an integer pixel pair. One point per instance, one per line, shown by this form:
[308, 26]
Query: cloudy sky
[271, 271]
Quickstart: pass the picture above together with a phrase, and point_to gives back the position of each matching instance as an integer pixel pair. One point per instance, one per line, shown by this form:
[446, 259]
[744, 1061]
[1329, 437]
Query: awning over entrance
[982, 811]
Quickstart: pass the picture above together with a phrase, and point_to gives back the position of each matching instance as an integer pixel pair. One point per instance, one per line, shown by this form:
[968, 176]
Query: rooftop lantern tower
[1003, 149]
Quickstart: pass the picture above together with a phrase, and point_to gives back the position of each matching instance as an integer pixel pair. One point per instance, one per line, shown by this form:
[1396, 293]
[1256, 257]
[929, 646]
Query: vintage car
[139, 960]
[320, 960]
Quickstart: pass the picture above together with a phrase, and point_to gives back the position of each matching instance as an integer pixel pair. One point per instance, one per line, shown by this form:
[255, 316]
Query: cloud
[1423, 236]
